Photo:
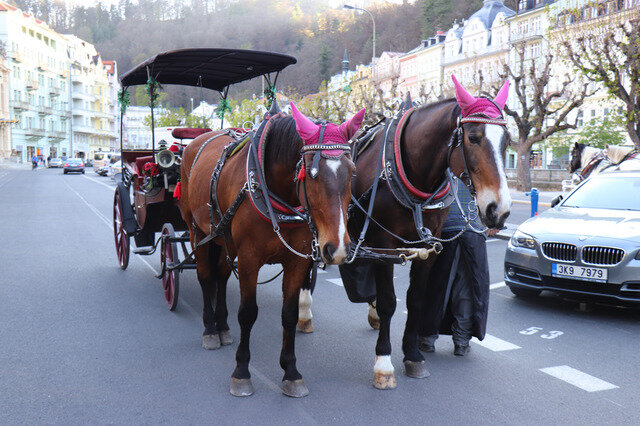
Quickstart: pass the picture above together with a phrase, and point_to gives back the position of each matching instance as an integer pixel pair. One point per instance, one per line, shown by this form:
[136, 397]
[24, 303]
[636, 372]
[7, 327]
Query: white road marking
[577, 378]
[495, 344]
[336, 281]
[108, 223]
[100, 183]
[497, 285]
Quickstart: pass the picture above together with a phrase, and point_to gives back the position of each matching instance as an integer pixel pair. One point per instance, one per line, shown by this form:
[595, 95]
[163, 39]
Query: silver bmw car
[586, 246]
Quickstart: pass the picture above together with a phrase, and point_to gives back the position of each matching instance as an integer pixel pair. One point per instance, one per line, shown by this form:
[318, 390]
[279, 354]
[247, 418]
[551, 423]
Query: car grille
[560, 251]
[602, 255]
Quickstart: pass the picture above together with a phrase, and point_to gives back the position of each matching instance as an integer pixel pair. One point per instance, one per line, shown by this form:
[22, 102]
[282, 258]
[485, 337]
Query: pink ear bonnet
[310, 131]
[471, 105]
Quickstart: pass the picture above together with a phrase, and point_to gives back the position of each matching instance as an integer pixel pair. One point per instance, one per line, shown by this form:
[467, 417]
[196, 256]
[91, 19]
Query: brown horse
[315, 174]
[426, 148]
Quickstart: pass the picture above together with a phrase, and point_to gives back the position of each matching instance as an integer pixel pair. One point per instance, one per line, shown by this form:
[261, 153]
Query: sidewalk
[15, 166]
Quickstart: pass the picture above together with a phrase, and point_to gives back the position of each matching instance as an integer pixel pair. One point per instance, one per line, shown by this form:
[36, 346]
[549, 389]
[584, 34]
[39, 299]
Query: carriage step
[144, 251]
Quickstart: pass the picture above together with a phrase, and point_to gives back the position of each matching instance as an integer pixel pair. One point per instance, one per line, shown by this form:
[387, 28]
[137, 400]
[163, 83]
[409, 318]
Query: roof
[207, 67]
[487, 14]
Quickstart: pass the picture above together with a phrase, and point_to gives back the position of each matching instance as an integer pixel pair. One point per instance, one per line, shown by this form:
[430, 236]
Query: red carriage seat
[188, 132]
[140, 162]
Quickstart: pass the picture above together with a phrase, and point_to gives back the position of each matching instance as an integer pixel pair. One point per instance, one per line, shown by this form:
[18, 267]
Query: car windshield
[607, 192]
[74, 161]
[98, 157]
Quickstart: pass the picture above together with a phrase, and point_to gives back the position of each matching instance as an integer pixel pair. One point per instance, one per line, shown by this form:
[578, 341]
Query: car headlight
[520, 239]
[638, 255]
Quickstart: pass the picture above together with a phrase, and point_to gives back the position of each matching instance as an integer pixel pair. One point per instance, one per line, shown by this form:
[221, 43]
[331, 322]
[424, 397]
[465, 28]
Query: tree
[539, 112]
[606, 50]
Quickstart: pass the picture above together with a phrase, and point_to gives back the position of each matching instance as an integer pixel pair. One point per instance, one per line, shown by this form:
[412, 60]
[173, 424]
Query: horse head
[576, 157]
[325, 180]
[484, 143]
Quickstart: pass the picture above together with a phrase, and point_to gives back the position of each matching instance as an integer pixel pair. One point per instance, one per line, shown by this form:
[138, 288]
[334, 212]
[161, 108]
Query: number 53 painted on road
[549, 335]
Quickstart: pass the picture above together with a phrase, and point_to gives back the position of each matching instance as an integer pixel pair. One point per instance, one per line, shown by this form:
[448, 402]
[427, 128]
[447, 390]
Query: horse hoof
[226, 338]
[384, 381]
[211, 341]
[373, 318]
[294, 388]
[417, 370]
[241, 387]
[305, 326]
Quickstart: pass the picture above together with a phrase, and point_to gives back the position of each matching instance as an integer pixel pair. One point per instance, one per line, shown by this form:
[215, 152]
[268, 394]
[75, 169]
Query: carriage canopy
[210, 68]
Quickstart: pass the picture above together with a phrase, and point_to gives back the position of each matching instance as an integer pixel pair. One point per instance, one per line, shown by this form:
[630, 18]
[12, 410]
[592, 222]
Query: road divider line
[336, 281]
[495, 344]
[497, 285]
[578, 379]
[99, 183]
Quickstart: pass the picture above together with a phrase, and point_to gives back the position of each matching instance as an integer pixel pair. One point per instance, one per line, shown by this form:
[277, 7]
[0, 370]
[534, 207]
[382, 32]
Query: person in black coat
[457, 296]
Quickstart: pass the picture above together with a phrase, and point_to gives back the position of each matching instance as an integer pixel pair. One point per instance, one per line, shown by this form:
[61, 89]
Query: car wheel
[83, 172]
[524, 292]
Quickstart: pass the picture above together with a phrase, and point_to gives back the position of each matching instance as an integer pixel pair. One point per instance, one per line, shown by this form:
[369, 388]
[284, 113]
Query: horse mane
[617, 152]
[588, 153]
[282, 141]
[455, 113]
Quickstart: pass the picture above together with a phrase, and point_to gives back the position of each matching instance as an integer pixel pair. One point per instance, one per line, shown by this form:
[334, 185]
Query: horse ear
[503, 95]
[464, 98]
[351, 126]
[577, 145]
[305, 127]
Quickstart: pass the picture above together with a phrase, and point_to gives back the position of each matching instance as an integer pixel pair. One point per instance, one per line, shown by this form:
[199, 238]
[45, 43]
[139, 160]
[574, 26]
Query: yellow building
[361, 80]
[93, 109]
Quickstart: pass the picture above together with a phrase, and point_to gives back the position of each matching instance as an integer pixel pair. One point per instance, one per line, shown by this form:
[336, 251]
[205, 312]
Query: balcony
[77, 94]
[54, 91]
[16, 56]
[84, 129]
[20, 105]
[34, 133]
[59, 135]
[76, 79]
[45, 110]
[43, 66]
[32, 85]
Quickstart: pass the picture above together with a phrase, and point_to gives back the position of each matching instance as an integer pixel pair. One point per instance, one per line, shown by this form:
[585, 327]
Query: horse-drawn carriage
[145, 201]
[282, 193]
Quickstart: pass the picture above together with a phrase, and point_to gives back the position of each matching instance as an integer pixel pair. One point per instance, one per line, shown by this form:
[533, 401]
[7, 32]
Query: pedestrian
[48, 160]
[34, 162]
[457, 296]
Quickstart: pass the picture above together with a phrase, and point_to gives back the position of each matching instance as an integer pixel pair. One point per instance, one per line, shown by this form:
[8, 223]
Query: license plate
[580, 272]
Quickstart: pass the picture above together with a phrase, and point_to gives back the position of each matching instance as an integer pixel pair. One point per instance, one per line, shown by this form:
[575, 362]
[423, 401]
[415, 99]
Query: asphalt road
[82, 341]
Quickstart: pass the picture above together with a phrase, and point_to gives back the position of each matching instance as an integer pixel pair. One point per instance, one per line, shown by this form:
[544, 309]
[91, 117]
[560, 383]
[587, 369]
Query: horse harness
[591, 165]
[390, 161]
[262, 199]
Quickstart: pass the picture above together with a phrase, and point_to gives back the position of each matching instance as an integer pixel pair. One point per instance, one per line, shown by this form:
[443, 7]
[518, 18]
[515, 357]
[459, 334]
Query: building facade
[93, 106]
[38, 85]
[385, 73]
[5, 113]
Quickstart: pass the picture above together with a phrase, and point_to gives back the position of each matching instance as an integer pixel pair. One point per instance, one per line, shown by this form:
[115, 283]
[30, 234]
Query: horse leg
[383, 377]
[204, 269]
[414, 363]
[305, 317]
[294, 275]
[221, 313]
[247, 314]
[372, 316]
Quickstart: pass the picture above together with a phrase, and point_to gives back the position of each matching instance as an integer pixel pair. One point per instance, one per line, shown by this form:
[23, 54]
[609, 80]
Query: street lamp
[347, 6]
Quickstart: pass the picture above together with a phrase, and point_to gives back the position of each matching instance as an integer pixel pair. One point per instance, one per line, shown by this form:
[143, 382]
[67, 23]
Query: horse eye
[475, 140]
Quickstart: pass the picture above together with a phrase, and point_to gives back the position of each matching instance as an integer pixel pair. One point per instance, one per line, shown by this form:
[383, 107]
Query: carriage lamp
[520, 239]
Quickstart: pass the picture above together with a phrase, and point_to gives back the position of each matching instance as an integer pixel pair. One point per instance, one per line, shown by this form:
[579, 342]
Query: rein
[591, 165]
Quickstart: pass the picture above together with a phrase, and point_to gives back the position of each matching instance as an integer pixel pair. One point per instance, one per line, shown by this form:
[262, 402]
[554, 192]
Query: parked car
[55, 163]
[115, 170]
[586, 246]
[74, 165]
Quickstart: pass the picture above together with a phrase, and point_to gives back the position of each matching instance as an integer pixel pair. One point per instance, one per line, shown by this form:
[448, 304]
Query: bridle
[301, 186]
[457, 140]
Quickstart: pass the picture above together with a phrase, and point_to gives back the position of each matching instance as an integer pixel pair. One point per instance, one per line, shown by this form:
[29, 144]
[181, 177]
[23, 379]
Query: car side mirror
[556, 201]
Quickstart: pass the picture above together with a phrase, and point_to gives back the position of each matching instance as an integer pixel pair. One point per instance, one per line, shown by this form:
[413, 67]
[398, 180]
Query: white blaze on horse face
[304, 305]
[334, 165]
[341, 252]
[495, 135]
[383, 364]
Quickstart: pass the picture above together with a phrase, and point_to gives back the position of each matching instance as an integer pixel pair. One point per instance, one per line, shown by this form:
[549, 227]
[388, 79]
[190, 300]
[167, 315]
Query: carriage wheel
[169, 257]
[121, 237]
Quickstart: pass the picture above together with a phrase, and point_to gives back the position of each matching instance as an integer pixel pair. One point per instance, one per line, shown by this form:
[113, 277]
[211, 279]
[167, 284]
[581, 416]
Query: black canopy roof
[211, 68]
